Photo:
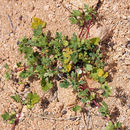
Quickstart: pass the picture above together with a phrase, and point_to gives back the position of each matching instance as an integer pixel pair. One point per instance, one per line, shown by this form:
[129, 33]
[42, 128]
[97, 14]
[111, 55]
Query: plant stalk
[88, 28]
[16, 121]
[82, 29]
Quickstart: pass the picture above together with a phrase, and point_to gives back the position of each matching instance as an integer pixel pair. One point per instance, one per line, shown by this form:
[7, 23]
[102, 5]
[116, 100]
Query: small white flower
[79, 71]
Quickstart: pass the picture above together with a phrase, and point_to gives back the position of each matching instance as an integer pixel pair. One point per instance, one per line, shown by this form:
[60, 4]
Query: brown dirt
[114, 22]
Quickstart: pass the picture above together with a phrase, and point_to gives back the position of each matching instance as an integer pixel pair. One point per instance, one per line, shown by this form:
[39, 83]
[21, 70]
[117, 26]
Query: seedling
[104, 110]
[16, 98]
[83, 18]
[8, 72]
[77, 108]
[113, 126]
[31, 100]
[72, 60]
[10, 117]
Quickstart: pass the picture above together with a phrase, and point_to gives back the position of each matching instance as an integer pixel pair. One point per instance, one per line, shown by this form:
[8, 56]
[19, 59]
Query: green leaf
[83, 93]
[76, 13]
[95, 41]
[32, 99]
[6, 66]
[84, 100]
[46, 85]
[82, 82]
[81, 22]
[86, 6]
[16, 98]
[12, 121]
[101, 79]
[73, 20]
[92, 96]
[107, 90]
[74, 57]
[19, 64]
[5, 116]
[23, 40]
[7, 75]
[118, 125]
[77, 108]
[65, 43]
[104, 109]
[87, 17]
[110, 126]
[94, 76]
[35, 98]
[64, 84]
[88, 67]
[27, 73]
[37, 32]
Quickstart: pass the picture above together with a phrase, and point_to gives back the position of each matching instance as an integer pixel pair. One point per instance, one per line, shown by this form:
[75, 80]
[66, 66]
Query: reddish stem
[82, 29]
[88, 28]
[107, 118]
[96, 103]
[16, 121]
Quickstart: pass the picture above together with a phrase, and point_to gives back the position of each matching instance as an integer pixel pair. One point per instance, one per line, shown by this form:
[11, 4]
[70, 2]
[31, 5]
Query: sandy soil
[113, 28]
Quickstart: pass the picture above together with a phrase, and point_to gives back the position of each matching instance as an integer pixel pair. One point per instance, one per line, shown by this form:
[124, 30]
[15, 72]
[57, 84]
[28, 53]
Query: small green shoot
[31, 100]
[77, 108]
[16, 98]
[107, 90]
[113, 126]
[64, 84]
[79, 17]
[104, 110]
[7, 75]
[9, 117]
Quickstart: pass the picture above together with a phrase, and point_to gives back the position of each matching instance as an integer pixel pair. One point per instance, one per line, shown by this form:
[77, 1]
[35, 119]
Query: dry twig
[10, 21]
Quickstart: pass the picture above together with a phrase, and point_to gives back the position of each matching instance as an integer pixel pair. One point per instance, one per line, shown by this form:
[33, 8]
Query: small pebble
[21, 17]
[64, 112]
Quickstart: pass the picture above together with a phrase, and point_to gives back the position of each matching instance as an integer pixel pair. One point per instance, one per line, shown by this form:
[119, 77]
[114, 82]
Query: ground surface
[113, 30]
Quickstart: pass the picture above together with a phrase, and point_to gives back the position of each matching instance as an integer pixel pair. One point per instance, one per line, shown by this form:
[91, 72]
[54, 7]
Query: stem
[16, 121]
[82, 29]
[96, 103]
[107, 118]
[88, 28]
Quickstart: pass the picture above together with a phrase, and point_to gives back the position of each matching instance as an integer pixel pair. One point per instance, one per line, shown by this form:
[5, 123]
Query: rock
[66, 95]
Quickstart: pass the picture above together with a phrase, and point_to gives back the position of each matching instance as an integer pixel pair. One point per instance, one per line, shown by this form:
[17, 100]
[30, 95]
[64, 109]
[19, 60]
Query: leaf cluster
[30, 101]
[10, 117]
[104, 110]
[65, 58]
[113, 126]
[7, 74]
[80, 17]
